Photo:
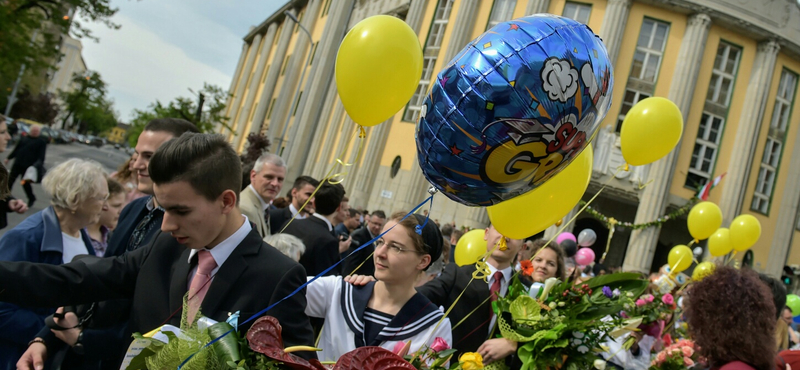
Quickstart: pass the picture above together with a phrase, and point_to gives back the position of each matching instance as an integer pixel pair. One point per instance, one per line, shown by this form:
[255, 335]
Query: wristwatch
[78, 347]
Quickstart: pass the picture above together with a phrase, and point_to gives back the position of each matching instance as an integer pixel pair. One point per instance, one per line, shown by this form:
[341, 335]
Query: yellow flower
[471, 361]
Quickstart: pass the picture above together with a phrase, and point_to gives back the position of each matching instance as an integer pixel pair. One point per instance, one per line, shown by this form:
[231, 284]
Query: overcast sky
[167, 46]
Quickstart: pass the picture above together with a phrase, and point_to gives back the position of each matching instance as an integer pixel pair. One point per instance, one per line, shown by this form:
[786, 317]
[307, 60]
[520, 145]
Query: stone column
[614, 21]
[242, 127]
[272, 76]
[308, 116]
[416, 10]
[291, 79]
[269, 39]
[786, 221]
[364, 173]
[243, 81]
[537, 6]
[234, 81]
[324, 143]
[462, 29]
[735, 184]
[653, 200]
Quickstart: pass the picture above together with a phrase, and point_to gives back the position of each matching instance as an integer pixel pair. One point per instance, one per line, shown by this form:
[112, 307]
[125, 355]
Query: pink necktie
[200, 282]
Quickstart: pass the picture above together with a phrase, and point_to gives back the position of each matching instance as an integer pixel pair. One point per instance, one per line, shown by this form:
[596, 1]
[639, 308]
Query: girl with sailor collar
[388, 311]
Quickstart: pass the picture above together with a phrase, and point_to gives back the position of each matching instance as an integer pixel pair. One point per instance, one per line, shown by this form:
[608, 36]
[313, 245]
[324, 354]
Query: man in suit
[316, 231]
[361, 262]
[30, 151]
[205, 253]
[301, 191]
[266, 181]
[350, 223]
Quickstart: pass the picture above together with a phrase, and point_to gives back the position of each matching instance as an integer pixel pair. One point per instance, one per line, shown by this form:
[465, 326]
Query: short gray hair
[436, 267]
[270, 158]
[287, 244]
[73, 182]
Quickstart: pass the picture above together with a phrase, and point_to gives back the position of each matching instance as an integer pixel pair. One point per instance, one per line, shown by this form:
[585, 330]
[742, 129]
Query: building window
[649, 49]
[577, 11]
[297, 103]
[705, 151]
[502, 11]
[631, 98]
[285, 63]
[325, 8]
[773, 149]
[269, 110]
[430, 54]
[725, 66]
[299, 20]
[264, 76]
[313, 53]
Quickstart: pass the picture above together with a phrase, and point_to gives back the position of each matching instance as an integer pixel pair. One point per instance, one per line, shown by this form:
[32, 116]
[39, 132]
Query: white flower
[552, 305]
[561, 304]
[583, 349]
[628, 326]
[615, 292]
[577, 334]
[548, 286]
[577, 342]
[626, 306]
[629, 294]
[599, 364]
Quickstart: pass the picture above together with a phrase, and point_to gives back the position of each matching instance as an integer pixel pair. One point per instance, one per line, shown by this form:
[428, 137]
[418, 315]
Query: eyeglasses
[393, 247]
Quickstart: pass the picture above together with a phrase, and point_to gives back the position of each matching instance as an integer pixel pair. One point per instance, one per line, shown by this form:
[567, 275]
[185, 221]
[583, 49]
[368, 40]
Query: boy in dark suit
[207, 251]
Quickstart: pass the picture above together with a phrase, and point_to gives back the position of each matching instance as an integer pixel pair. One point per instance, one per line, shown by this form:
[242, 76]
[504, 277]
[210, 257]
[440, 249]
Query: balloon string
[612, 226]
[330, 177]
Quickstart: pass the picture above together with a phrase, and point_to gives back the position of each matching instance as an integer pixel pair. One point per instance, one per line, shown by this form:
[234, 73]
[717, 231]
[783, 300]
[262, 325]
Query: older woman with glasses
[78, 194]
[389, 311]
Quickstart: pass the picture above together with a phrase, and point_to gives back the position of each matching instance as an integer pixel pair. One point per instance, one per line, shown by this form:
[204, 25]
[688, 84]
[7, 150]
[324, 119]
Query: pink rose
[668, 299]
[398, 347]
[661, 357]
[439, 345]
[687, 352]
[688, 361]
[648, 298]
[640, 302]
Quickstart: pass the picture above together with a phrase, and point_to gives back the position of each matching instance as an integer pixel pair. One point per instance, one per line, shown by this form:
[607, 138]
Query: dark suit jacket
[443, 290]
[28, 151]
[278, 217]
[360, 237]
[156, 278]
[322, 248]
[129, 218]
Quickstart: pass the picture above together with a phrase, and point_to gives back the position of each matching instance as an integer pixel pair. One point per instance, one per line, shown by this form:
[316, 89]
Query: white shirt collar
[295, 212]
[330, 225]
[224, 249]
[264, 205]
[506, 274]
[151, 203]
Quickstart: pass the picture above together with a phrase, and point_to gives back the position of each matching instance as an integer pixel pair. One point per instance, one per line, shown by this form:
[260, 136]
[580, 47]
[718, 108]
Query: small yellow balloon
[555, 198]
[704, 219]
[702, 270]
[680, 258]
[719, 243]
[650, 131]
[377, 68]
[745, 231]
[470, 247]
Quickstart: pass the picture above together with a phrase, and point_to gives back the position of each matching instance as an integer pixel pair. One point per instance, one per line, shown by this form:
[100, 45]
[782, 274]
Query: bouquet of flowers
[679, 356]
[654, 310]
[563, 326]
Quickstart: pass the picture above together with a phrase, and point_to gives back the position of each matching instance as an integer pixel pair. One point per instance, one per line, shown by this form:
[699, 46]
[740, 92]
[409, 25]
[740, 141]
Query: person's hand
[70, 320]
[344, 245]
[18, 206]
[496, 349]
[33, 358]
[359, 280]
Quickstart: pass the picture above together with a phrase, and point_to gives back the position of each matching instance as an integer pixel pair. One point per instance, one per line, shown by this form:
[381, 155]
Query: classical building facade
[731, 66]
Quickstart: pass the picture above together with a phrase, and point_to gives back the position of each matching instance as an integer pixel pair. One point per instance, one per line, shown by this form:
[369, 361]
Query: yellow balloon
[470, 247]
[745, 231]
[378, 68]
[553, 200]
[702, 270]
[680, 258]
[651, 130]
[719, 243]
[704, 219]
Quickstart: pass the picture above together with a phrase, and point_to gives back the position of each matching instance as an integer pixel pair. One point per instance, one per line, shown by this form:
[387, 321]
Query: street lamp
[294, 104]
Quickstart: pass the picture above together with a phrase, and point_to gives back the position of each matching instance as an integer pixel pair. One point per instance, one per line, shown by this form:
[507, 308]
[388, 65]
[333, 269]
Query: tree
[86, 105]
[39, 108]
[31, 31]
[211, 116]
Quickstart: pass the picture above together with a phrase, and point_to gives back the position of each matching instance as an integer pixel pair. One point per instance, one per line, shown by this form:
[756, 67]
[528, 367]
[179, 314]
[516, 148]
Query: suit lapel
[180, 281]
[226, 279]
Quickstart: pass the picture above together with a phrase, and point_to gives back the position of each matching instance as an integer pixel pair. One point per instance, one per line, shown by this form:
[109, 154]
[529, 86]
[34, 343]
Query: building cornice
[276, 17]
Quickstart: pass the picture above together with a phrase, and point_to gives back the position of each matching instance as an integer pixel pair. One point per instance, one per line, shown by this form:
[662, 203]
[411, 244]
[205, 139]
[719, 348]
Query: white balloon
[587, 237]
[697, 251]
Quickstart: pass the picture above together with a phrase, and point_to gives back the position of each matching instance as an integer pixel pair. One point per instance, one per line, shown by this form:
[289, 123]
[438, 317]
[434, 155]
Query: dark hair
[302, 181]
[447, 230]
[778, 293]
[114, 187]
[345, 199]
[730, 318]
[4, 175]
[428, 241]
[561, 270]
[328, 198]
[207, 162]
[124, 172]
[457, 233]
[379, 213]
[354, 212]
[174, 126]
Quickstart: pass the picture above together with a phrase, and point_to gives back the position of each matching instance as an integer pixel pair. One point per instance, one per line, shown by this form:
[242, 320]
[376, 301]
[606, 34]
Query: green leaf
[602, 280]
[227, 347]
[446, 353]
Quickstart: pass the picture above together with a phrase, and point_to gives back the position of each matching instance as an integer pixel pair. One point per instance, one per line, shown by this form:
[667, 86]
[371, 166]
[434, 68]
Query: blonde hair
[73, 182]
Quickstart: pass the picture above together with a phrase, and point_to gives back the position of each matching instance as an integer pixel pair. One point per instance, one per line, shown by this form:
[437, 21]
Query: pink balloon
[564, 236]
[584, 256]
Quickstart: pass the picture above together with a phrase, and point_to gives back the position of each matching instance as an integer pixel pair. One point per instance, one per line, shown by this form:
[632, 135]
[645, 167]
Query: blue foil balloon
[513, 108]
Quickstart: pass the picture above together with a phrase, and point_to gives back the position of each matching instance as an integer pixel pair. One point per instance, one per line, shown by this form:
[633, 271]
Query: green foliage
[213, 113]
[87, 106]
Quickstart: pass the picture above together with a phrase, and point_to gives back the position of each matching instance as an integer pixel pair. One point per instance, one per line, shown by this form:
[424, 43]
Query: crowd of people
[175, 234]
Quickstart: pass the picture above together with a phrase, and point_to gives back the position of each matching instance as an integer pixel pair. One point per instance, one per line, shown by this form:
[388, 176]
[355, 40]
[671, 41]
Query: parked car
[96, 141]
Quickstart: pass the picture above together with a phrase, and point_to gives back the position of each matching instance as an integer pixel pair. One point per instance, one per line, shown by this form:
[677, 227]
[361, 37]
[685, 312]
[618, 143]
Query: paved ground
[109, 157]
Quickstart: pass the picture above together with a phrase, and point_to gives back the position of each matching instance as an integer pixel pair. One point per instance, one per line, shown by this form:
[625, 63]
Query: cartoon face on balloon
[513, 108]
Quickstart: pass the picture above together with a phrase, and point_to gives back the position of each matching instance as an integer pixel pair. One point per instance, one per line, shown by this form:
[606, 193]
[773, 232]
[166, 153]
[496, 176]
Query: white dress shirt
[503, 287]
[223, 250]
